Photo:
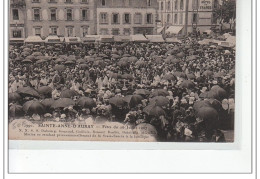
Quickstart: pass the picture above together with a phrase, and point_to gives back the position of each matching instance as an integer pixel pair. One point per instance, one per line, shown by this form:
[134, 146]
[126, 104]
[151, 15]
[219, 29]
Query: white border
[169, 161]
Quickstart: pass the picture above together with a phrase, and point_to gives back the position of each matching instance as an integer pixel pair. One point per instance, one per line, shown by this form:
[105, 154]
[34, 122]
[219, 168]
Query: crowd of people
[184, 90]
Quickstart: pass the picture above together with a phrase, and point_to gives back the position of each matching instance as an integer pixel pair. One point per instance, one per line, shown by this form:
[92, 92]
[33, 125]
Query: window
[36, 14]
[15, 14]
[161, 5]
[214, 18]
[215, 4]
[149, 3]
[70, 31]
[115, 31]
[115, 18]
[53, 14]
[53, 30]
[169, 5]
[68, 1]
[84, 1]
[127, 18]
[36, 1]
[69, 14]
[103, 18]
[195, 4]
[103, 32]
[127, 31]
[84, 14]
[175, 18]
[103, 2]
[181, 18]
[138, 18]
[176, 5]
[149, 19]
[52, 1]
[37, 31]
[17, 34]
[168, 18]
[181, 4]
[195, 18]
[85, 31]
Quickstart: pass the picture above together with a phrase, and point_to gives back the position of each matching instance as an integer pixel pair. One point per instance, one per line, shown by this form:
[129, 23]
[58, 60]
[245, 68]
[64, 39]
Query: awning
[16, 40]
[53, 39]
[205, 41]
[172, 40]
[72, 40]
[34, 39]
[106, 38]
[138, 38]
[160, 29]
[209, 32]
[174, 29]
[125, 38]
[155, 38]
[90, 38]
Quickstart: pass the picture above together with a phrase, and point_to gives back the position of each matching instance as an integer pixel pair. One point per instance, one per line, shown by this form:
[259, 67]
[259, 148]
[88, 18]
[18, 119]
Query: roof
[174, 29]
[34, 39]
[155, 38]
[138, 38]
[160, 29]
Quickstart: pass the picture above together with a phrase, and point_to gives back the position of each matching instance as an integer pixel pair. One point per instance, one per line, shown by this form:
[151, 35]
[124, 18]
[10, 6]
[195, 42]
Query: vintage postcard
[122, 70]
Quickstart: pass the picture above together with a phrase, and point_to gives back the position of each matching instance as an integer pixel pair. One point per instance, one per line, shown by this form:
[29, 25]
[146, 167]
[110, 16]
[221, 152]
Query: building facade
[188, 15]
[126, 17]
[68, 18]
[17, 20]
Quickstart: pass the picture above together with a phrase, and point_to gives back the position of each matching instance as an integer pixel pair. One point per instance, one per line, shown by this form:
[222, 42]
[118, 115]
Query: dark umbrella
[207, 73]
[210, 117]
[132, 59]
[179, 74]
[18, 59]
[187, 84]
[83, 66]
[117, 101]
[69, 62]
[153, 110]
[200, 104]
[67, 93]
[62, 103]
[41, 61]
[159, 101]
[16, 110]
[190, 76]
[127, 76]
[169, 77]
[27, 61]
[159, 92]
[45, 90]
[86, 102]
[13, 97]
[28, 91]
[34, 107]
[47, 102]
[142, 92]
[133, 100]
[219, 75]
[59, 67]
[59, 60]
[81, 61]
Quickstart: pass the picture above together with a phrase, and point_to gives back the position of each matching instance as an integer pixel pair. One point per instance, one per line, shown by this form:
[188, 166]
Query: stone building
[68, 18]
[184, 16]
[17, 21]
[126, 17]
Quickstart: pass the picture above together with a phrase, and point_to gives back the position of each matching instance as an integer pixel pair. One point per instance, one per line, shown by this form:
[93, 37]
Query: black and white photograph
[122, 70]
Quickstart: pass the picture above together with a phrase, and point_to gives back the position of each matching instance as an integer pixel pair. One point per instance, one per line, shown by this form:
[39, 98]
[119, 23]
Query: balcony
[17, 3]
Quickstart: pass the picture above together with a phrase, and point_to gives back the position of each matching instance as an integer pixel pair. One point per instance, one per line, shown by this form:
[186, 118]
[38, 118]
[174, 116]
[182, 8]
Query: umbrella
[159, 92]
[192, 57]
[45, 90]
[169, 77]
[133, 100]
[132, 59]
[16, 110]
[27, 61]
[83, 66]
[115, 56]
[142, 92]
[126, 55]
[37, 54]
[34, 107]
[210, 116]
[207, 73]
[153, 110]
[204, 95]
[98, 58]
[158, 60]
[140, 63]
[25, 54]
[28, 91]
[190, 76]
[103, 55]
[59, 67]
[86, 102]
[114, 75]
[59, 60]
[81, 61]
[67, 93]
[13, 97]
[117, 101]
[62, 103]
[159, 101]
[187, 84]
[215, 104]
[100, 63]
[217, 93]
[47, 102]
[122, 63]
[180, 55]
[127, 76]
[69, 62]
[179, 74]
[200, 104]
[26, 49]
[41, 61]
[18, 59]
[219, 75]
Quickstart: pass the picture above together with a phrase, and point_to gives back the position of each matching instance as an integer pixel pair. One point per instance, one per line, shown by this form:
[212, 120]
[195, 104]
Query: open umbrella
[33, 107]
[117, 101]
[142, 92]
[169, 77]
[159, 101]
[83, 66]
[210, 117]
[126, 55]
[62, 103]
[67, 93]
[86, 102]
[16, 110]
[132, 59]
[69, 62]
[47, 102]
[59, 67]
[59, 60]
[133, 100]
[18, 59]
[187, 84]
[159, 92]
[37, 54]
[115, 56]
[200, 104]
[81, 60]
[28, 91]
[127, 76]
[217, 93]
[27, 61]
[219, 74]
[190, 76]
[122, 63]
[140, 63]
[45, 90]
[207, 73]
[153, 110]
[13, 97]
[41, 61]
[180, 55]
[179, 74]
